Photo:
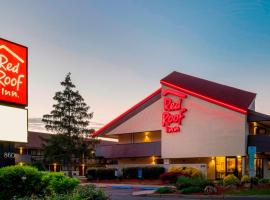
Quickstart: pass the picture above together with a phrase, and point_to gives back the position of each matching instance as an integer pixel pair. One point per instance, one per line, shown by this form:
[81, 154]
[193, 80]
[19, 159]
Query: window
[220, 167]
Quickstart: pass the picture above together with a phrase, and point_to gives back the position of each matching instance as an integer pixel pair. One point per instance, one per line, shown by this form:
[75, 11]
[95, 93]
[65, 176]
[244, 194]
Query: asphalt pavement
[126, 194]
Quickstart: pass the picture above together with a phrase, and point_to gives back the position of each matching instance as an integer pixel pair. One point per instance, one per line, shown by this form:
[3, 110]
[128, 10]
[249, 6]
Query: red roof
[230, 97]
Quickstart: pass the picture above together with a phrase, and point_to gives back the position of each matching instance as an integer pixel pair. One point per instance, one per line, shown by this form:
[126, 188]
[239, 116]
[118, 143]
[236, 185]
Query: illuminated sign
[13, 72]
[173, 111]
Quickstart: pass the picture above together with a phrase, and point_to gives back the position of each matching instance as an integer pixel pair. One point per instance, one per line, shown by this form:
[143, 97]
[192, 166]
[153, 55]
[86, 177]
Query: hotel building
[190, 121]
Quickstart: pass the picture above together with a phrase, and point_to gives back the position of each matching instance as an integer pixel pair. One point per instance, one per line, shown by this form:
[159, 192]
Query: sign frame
[17, 104]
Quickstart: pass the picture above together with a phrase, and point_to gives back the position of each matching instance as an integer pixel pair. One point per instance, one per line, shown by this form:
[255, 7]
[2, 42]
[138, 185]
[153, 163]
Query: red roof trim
[225, 105]
[125, 113]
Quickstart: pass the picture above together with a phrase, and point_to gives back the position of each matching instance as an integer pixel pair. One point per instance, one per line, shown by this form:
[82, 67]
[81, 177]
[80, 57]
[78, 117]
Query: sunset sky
[117, 51]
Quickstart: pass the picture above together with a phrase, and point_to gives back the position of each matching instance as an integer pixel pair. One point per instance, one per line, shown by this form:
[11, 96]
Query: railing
[22, 158]
[129, 150]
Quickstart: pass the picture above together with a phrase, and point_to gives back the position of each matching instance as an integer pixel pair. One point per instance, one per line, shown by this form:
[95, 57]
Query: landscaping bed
[187, 181]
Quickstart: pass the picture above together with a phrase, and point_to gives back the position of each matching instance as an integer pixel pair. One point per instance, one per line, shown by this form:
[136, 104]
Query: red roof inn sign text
[173, 113]
[13, 73]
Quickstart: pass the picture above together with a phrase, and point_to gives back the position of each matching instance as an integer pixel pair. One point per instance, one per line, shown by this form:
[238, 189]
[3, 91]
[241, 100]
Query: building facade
[32, 153]
[192, 122]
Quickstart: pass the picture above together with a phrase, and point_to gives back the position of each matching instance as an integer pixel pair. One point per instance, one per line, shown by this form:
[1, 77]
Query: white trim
[12, 53]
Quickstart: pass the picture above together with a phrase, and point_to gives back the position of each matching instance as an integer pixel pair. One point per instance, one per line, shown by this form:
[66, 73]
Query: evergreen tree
[69, 120]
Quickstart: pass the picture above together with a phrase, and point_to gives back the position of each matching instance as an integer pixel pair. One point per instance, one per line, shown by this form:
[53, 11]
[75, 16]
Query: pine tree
[69, 120]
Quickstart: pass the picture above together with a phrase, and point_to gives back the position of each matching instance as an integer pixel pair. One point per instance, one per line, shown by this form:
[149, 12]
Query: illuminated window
[220, 167]
[147, 137]
[239, 165]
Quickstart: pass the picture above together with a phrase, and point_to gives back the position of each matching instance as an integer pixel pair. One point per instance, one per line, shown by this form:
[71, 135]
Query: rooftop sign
[13, 73]
[173, 111]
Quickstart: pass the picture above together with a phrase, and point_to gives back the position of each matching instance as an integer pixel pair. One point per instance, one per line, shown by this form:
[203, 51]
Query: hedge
[100, 174]
[147, 172]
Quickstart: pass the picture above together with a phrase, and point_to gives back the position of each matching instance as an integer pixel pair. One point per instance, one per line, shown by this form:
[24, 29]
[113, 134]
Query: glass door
[231, 166]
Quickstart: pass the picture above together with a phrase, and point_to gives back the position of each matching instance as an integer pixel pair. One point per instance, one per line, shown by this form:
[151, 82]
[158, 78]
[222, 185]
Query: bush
[230, 180]
[130, 172]
[186, 171]
[245, 179]
[147, 172]
[39, 165]
[87, 192]
[254, 180]
[58, 183]
[20, 181]
[210, 190]
[152, 172]
[90, 192]
[170, 177]
[184, 182]
[164, 190]
[191, 189]
[100, 173]
[263, 181]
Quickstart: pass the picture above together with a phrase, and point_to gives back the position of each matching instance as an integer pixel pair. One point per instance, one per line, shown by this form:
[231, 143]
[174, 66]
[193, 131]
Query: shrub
[245, 179]
[230, 180]
[100, 173]
[152, 172]
[186, 171]
[147, 172]
[263, 181]
[184, 182]
[170, 177]
[254, 180]
[130, 172]
[191, 189]
[90, 192]
[39, 165]
[164, 190]
[58, 183]
[210, 190]
[20, 181]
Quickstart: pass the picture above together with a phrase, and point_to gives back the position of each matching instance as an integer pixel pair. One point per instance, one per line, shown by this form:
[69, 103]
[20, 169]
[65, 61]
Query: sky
[117, 51]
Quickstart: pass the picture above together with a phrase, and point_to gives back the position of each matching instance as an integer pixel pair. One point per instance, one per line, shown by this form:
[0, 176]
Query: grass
[249, 192]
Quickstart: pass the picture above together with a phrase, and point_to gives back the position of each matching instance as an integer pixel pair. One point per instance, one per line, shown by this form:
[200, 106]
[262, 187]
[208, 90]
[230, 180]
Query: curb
[133, 187]
[204, 196]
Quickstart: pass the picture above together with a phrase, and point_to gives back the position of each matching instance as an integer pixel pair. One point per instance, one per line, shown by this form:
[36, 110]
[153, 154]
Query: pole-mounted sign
[13, 73]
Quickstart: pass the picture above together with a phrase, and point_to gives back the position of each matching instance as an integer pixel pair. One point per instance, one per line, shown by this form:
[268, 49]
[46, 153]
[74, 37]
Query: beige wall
[207, 130]
[148, 119]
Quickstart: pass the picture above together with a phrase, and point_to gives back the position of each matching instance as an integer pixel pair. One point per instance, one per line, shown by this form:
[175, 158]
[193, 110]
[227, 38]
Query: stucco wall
[207, 130]
[148, 119]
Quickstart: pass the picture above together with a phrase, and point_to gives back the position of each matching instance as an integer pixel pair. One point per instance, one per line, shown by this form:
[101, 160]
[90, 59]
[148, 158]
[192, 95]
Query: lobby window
[239, 165]
[220, 167]
[268, 164]
[147, 137]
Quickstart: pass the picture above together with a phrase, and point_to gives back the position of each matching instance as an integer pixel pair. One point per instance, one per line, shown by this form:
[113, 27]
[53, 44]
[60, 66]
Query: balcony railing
[262, 142]
[129, 150]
